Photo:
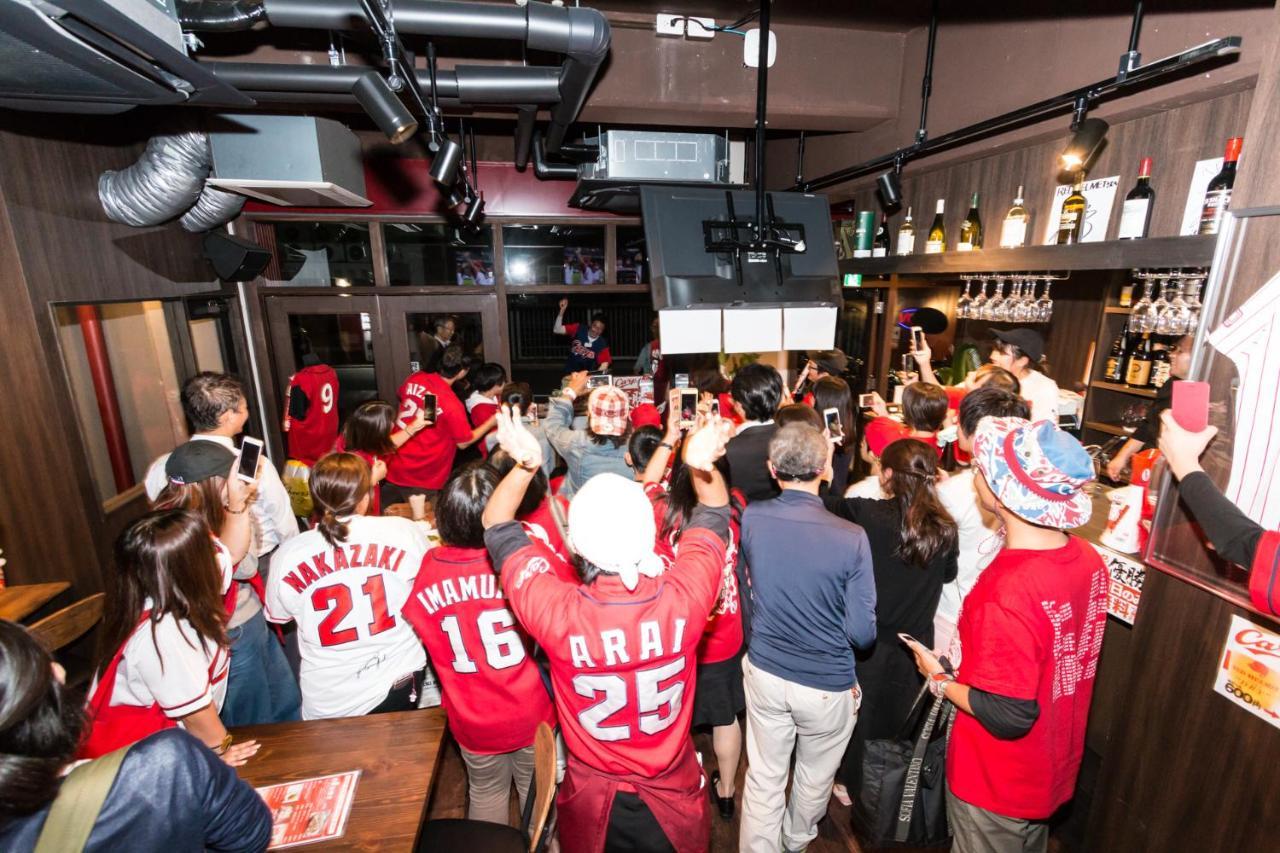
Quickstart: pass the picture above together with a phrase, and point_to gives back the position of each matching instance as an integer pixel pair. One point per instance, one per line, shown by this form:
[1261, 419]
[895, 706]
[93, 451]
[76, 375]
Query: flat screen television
[684, 274]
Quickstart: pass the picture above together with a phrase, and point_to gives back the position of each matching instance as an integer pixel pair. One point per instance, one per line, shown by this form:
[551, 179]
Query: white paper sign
[1099, 196]
[1249, 675]
[691, 330]
[752, 329]
[808, 327]
[1200, 178]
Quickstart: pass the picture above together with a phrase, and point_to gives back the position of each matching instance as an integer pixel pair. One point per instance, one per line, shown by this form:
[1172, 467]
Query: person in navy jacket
[589, 348]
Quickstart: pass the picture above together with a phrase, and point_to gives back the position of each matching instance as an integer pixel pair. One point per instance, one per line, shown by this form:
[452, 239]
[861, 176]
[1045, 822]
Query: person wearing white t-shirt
[345, 583]
[1021, 352]
[166, 619]
[979, 531]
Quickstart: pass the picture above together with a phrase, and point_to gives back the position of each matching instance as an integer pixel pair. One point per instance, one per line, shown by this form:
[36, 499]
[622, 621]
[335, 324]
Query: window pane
[538, 355]
[633, 255]
[130, 413]
[323, 254]
[554, 254]
[345, 343]
[421, 254]
[429, 334]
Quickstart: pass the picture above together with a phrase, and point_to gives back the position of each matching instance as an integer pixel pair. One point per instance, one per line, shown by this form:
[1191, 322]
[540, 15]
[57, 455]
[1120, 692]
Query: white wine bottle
[937, 242]
[1013, 231]
[970, 229]
[907, 235]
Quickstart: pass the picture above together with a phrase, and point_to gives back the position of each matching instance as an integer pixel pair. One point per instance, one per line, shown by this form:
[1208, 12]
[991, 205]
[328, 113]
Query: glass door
[419, 328]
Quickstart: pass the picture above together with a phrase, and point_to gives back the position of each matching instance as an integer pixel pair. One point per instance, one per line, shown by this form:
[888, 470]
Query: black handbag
[903, 799]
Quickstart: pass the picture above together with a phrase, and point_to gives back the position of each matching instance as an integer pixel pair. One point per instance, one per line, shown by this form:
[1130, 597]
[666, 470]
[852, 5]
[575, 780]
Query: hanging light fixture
[384, 107]
[1084, 144]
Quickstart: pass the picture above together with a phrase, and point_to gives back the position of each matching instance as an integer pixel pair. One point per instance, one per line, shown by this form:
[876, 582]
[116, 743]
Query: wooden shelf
[1123, 389]
[1195, 251]
[1111, 429]
[1113, 310]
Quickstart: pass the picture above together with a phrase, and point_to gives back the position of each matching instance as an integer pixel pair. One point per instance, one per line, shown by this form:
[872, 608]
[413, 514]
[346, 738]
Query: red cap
[1234, 144]
[1144, 168]
[881, 432]
[646, 414]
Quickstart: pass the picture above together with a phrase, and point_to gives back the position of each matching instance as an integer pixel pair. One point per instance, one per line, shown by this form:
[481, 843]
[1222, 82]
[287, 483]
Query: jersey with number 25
[623, 663]
[346, 599]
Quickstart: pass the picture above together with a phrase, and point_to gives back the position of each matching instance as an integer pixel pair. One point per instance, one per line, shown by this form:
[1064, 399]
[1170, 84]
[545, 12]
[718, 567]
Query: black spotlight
[890, 187]
[444, 166]
[384, 107]
[474, 212]
[1084, 144]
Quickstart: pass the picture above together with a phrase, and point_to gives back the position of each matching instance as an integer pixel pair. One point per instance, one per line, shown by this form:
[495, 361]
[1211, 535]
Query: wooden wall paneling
[1258, 184]
[1186, 769]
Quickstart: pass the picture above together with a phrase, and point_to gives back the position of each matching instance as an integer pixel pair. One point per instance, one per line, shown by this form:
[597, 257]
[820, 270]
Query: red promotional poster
[310, 810]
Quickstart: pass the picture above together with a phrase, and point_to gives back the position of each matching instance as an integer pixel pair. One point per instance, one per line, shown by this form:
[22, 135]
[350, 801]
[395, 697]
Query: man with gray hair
[809, 614]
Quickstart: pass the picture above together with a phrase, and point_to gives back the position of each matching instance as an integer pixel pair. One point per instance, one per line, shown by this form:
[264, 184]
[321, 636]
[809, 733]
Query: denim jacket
[583, 456]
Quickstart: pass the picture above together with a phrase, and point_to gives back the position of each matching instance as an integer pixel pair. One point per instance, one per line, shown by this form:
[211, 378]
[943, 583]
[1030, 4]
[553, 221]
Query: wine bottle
[1138, 373]
[1218, 194]
[1114, 371]
[1013, 231]
[970, 229]
[1159, 366]
[1135, 217]
[937, 242]
[880, 244]
[1071, 220]
[907, 235]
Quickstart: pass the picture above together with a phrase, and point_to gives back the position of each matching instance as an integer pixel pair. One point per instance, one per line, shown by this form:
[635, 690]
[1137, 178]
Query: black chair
[479, 836]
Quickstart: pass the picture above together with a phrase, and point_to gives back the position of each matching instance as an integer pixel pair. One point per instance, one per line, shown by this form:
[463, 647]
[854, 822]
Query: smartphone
[867, 401]
[1191, 405]
[832, 419]
[907, 638]
[596, 380]
[250, 453]
[688, 407]
[682, 380]
[429, 406]
[715, 406]
[917, 337]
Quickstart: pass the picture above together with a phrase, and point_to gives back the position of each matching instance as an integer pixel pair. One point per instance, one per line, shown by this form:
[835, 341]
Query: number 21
[338, 597]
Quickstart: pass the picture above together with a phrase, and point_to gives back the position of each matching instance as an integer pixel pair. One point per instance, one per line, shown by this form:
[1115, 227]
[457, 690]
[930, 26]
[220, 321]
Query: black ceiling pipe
[219, 16]
[525, 119]
[581, 34]
[546, 170]
[477, 84]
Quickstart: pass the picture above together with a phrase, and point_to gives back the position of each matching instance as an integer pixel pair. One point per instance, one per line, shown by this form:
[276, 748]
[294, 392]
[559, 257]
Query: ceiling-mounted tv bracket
[736, 239]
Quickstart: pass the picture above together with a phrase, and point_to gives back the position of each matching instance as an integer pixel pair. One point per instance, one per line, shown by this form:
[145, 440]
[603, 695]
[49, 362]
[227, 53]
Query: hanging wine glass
[1138, 315]
[1178, 315]
[978, 305]
[1152, 321]
[1044, 305]
[962, 304]
[993, 301]
[1193, 305]
[1000, 309]
[1026, 310]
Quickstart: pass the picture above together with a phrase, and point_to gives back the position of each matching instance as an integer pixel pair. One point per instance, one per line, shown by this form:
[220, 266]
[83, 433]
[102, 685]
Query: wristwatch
[226, 744]
[569, 392]
[938, 683]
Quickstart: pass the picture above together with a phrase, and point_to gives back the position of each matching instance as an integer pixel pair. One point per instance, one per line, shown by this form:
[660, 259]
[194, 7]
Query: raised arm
[658, 462]
[923, 357]
[525, 449]
[558, 328]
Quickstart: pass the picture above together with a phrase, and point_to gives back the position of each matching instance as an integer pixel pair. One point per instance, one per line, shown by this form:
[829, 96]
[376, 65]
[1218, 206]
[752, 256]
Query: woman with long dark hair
[260, 686]
[370, 432]
[202, 803]
[344, 582]
[832, 392]
[914, 546]
[165, 639]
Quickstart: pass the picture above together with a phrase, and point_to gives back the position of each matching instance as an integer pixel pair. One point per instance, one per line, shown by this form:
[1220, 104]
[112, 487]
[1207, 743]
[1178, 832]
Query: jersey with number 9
[347, 601]
[311, 435]
[623, 663]
[479, 652]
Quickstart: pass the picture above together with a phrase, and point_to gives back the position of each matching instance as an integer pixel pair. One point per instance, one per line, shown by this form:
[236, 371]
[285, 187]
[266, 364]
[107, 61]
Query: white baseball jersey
[347, 601]
[1250, 337]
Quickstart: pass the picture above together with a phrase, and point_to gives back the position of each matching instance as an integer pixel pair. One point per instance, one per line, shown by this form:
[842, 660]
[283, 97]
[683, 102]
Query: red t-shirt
[375, 496]
[955, 393]
[722, 637]
[490, 686]
[479, 412]
[1031, 628]
[623, 664]
[310, 437]
[541, 525]
[425, 460]
[904, 431]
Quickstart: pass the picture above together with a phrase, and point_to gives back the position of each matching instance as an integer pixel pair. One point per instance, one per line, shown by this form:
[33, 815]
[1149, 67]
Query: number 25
[649, 700]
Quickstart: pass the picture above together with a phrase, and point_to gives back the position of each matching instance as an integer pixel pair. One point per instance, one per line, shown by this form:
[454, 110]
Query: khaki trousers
[976, 830]
[489, 779]
[783, 717]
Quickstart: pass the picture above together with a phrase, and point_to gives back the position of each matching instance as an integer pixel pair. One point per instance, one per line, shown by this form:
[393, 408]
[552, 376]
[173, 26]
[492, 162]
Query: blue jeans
[260, 685]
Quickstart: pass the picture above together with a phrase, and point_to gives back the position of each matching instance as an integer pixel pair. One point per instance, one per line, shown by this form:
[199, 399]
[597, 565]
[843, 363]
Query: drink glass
[1044, 305]
[962, 304]
[1138, 314]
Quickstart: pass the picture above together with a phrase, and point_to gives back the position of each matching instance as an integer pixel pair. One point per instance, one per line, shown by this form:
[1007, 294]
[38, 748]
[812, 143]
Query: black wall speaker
[234, 259]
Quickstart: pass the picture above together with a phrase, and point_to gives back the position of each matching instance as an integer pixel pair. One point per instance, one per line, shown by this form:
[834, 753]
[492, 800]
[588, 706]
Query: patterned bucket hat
[1036, 470]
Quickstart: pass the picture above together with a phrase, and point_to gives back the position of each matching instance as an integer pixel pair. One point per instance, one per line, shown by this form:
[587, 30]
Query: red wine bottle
[1218, 195]
[1135, 218]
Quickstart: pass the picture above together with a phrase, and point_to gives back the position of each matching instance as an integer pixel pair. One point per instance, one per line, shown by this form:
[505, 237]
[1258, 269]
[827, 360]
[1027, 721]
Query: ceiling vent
[295, 161]
[629, 159]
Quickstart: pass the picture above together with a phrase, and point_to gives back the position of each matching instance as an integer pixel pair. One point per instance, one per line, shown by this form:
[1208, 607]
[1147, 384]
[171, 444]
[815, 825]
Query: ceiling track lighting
[1084, 145]
[889, 185]
[1158, 71]
[384, 107]
[444, 166]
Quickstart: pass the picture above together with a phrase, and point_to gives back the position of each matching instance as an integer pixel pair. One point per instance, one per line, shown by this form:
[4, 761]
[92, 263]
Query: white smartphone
[688, 407]
[715, 406]
[832, 419]
[867, 401]
[682, 380]
[596, 380]
[247, 462]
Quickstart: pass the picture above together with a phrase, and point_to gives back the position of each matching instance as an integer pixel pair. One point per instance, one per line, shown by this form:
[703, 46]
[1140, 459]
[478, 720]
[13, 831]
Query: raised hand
[564, 304]
[241, 493]
[514, 438]
[578, 382]
[705, 443]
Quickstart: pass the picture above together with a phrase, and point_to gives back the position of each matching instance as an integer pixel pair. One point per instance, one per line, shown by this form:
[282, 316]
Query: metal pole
[762, 99]
[926, 83]
[104, 388]
[800, 160]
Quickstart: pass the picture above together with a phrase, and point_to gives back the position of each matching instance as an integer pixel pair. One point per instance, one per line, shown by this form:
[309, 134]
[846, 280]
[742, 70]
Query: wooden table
[398, 753]
[18, 602]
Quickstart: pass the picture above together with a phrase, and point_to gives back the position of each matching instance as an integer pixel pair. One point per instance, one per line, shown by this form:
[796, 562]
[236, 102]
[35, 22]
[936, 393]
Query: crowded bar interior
[632, 425]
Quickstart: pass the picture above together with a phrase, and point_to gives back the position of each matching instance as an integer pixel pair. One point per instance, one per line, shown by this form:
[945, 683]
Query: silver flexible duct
[164, 183]
[213, 207]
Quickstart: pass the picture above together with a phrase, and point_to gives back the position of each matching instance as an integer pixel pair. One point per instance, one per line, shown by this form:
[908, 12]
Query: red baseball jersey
[479, 652]
[425, 460]
[623, 664]
[311, 435]
[541, 524]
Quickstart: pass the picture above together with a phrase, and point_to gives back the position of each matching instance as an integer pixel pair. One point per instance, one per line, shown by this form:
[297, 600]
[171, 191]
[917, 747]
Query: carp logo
[1259, 643]
[536, 566]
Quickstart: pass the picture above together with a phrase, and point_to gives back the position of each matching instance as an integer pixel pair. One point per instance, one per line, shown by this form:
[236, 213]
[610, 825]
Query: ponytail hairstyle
[167, 556]
[460, 505]
[39, 724]
[339, 482]
[204, 498]
[928, 530]
[682, 499]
